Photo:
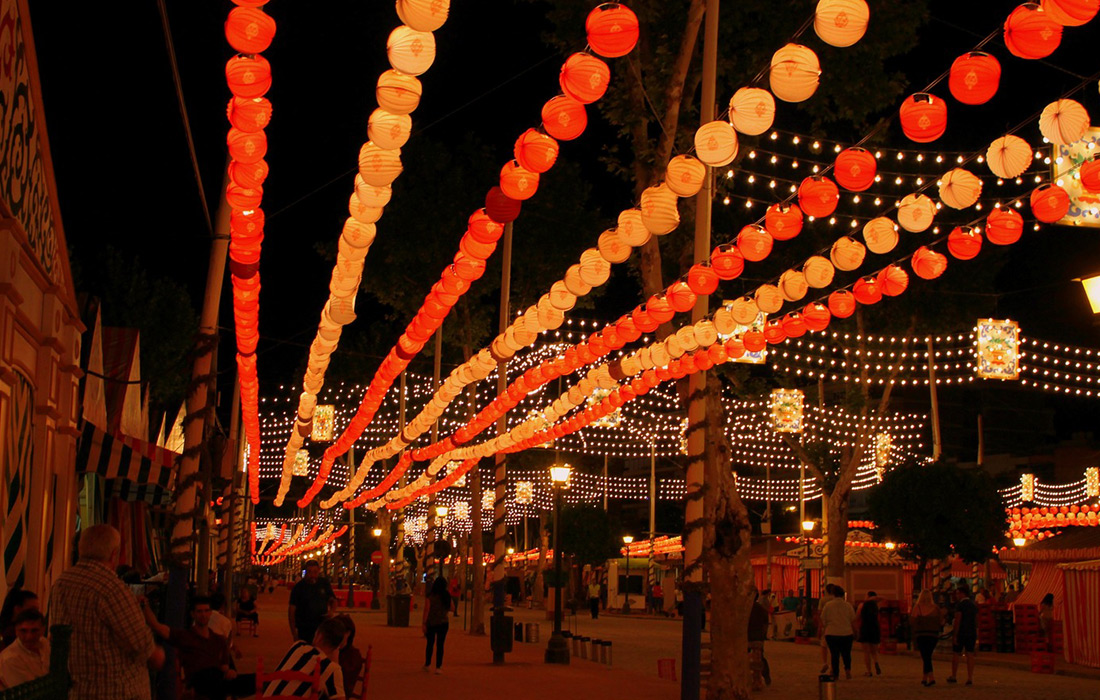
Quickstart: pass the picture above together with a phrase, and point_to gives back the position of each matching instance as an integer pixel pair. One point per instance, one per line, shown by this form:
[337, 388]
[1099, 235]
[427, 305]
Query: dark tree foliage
[588, 534]
[939, 509]
[158, 306]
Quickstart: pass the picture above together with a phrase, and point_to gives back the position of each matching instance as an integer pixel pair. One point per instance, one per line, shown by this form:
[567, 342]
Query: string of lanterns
[250, 31]
[410, 49]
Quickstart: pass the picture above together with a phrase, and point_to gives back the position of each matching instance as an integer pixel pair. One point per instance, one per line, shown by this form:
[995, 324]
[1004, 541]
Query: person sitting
[29, 656]
[1046, 619]
[219, 623]
[246, 610]
[351, 659]
[16, 601]
[207, 665]
[303, 658]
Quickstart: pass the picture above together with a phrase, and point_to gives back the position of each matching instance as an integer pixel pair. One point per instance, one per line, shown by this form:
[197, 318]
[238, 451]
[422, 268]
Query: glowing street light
[627, 539]
[1092, 291]
[557, 649]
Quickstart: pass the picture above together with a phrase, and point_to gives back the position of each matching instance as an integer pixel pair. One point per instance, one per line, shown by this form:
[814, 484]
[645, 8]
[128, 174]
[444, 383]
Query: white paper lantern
[752, 110]
[685, 175]
[612, 247]
[410, 52]
[960, 188]
[795, 73]
[881, 235]
[1064, 121]
[1008, 157]
[659, 212]
[389, 130]
[379, 166]
[841, 22]
[631, 228]
[716, 143]
[423, 15]
[398, 93]
[916, 212]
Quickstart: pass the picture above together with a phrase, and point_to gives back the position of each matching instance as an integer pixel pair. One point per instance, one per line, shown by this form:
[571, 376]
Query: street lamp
[627, 539]
[1020, 542]
[1092, 291]
[807, 528]
[557, 649]
[441, 516]
[375, 603]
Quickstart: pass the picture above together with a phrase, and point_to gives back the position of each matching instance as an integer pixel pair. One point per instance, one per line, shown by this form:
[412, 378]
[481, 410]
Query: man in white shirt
[29, 656]
[219, 623]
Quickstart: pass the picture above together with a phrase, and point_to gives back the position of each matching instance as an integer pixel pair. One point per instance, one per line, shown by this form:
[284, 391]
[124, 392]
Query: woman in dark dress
[437, 607]
[869, 632]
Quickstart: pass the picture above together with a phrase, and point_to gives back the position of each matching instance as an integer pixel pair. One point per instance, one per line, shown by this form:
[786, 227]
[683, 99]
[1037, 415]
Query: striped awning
[134, 469]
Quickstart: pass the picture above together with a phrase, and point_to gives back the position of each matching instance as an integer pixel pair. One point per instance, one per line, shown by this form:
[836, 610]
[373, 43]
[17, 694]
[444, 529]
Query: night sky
[124, 175]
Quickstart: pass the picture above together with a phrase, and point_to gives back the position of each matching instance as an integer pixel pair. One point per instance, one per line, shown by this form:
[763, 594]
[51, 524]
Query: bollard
[594, 653]
[531, 633]
[576, 646]
[826, 687]
[605, 652]
[584, 647]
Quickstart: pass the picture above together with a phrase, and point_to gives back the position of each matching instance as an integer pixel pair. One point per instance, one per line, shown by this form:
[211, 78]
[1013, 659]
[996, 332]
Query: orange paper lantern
[964, 243]
[974, 78]
[1004, 226]
[816, 316]
[612, 30]
[243, 197]
[398, 93]
[768, 298]
[1071, 13]
[716, 143]
[409, 51]
[1031, 33]
[1050, 203]
[248, 175]
[841, 22]
[249, 29]
[702, 279]
[517, 182]
[818, 196]
[927, 263]
[584, 78]
[727, 262]
[892, 280]
[685, 175]
[423, 15]
[752, 110]
[774, 333]
[564, 118]
[378, 166]
[249, 115]
[536, 151]
[483, 228]
[847, 254]
[248, 77]
[842, 303]
[783, 221]
[867, 291]
[754, 341]
[754, 242]
[881, 235]
[855, 169]
[246, 147]
[794, 325]
[389, 130]
[680, 297]
[795, 73]
[1090, 175]
[923, 117]
[819, 272]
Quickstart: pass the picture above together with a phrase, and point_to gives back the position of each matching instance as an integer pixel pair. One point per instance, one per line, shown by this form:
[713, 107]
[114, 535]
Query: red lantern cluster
[249, 30]
[1026, 522]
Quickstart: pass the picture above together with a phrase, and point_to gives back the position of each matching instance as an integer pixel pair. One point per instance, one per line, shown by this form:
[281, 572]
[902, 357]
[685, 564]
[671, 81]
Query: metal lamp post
[627, 539]
[557, 649]
[1019, 542]
[441, 517]
[807, 528]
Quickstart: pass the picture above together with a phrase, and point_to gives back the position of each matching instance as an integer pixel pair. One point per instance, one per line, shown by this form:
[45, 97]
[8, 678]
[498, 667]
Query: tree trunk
[837, 534]
[727, 547]
[477, 595]
[540, 566]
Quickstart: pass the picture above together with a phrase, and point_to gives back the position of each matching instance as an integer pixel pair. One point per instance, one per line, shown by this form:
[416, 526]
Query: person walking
[594, 597]
[111, 647]
[436, 608]
[965, 636]
[925, 621]
[310, 601]
[758, 633]
[839, 618]
[870, 634]
[818, 626]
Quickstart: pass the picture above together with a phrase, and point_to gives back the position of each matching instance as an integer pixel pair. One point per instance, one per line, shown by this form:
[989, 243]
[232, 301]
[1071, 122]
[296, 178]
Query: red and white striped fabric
[1081, 592]
[1045, 578]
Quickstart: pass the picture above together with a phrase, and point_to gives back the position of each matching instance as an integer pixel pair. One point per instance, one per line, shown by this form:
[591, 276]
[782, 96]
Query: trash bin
[826, 687]
[606, 650]
[397, 609]
[531, 633]
[594, 652]
[517, 632]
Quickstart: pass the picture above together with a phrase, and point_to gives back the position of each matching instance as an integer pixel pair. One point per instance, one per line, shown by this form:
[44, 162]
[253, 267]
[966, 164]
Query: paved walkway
[638, 643]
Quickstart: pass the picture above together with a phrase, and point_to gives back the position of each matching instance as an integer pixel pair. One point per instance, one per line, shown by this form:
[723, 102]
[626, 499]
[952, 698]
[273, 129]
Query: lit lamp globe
[1019, 541]
[377, 532]
[560, 474]
[628, 539]
[807, 526]
[890, 545]
[441, 511]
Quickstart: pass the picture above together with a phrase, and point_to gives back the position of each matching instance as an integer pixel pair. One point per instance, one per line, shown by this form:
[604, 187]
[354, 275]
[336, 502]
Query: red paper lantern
[892, 280]
[842, 303]
[1004, 226]
[974, 78]
[249, 115]
[816, 316]
[1090, 175]
[735, 348]
[468, 268]
[754, 341]
[536, 151]
[867, 291]
[754, 242]
[680, 297]
[564, 118]
[855, 169]
[243, 197]
[783, 221]
[1049, 203]
[659, 308]
[702, 279]
[923, 117]
[927, 263]
[1071, 13]
[249, 175]
[964, 243]
[584, 78]
[727, 262]
[628, 329]
[248, 77]
[644, 322]
[1031, 33]
[483, 228]
[246, 223]
[612, 30]
[774, 333]
[818, 196]
[249, 29]
[245, 147]
[794, 325]
[500, 207]
[517, 182]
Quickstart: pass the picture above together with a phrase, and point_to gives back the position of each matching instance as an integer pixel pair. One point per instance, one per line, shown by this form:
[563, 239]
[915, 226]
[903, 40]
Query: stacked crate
[1028, 637]
[1004, 631]
[987, 627]
[1056, 644]
[889, 615]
